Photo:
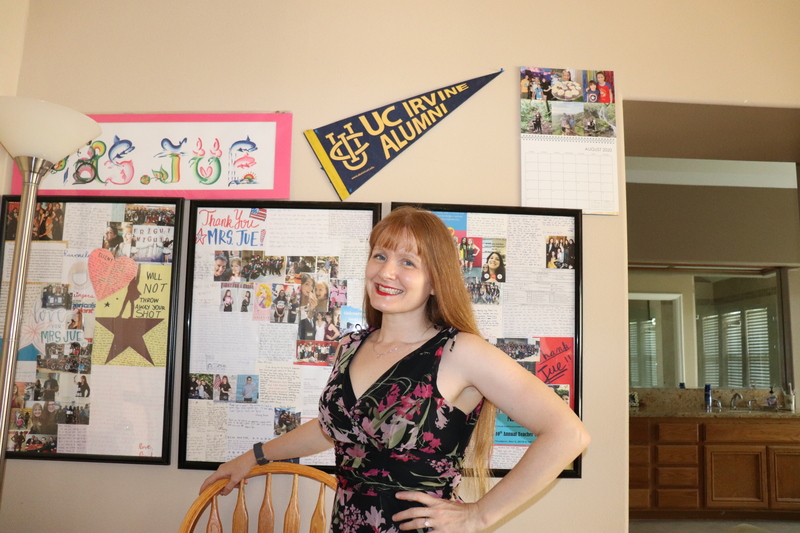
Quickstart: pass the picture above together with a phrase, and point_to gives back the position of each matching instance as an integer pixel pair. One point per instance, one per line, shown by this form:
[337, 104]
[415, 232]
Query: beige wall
[13, 20]
[326, 60]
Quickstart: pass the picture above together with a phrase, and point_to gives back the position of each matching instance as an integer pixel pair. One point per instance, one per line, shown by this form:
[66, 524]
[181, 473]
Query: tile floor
[712, 526]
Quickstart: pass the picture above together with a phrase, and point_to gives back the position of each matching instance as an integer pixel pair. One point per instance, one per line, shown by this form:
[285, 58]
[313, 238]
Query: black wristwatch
[259, 453]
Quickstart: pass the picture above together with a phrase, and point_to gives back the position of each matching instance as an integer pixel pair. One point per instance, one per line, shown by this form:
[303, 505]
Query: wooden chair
[266, 515]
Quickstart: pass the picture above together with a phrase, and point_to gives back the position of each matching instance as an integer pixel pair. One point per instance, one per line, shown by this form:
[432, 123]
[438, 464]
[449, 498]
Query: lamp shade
[34, 128]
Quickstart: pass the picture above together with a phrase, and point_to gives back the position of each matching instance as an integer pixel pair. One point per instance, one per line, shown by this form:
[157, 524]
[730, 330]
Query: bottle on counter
[772, 399]
[707, 397]
[789, 399]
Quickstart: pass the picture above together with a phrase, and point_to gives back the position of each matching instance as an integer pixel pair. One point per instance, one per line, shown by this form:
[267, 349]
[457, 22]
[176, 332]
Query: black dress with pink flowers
[401, 434]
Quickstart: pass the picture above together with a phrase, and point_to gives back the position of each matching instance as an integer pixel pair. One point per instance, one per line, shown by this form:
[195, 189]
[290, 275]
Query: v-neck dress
[401, 434]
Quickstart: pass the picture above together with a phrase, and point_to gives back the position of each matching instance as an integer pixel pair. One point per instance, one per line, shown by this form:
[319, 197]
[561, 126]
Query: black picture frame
[203, 441]
[128, 363]
[538, 219]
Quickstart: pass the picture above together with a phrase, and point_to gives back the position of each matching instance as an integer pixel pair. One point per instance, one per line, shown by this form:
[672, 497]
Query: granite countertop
[688, 403]
[663, 412]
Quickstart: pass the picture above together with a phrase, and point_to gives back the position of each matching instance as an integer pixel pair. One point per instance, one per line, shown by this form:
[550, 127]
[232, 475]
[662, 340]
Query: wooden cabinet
[736, 476]
[698, 467]
[783, 468]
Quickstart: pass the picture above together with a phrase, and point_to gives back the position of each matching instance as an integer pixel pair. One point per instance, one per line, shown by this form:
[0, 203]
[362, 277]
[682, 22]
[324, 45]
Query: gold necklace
[379, 354]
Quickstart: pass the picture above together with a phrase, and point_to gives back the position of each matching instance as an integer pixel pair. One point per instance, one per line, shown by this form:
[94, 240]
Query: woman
[472, 252]
[37, 390]
[224, 389]
[322, 293]
[332, 333]
[245, 302]
[236, 269]
[425, 352]
[227, 302]
[83, 387]
[319, 325]
[308, 297]
[37, 413]
[462, 253]
[496, 268]
[49, 425]
[293, 308]
[17, 398]
[551, 261]
[127, 248]
[279, 305]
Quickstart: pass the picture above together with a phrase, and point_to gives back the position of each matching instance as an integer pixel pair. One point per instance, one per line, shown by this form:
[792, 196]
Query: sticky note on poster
[508, 432]
[354, 149]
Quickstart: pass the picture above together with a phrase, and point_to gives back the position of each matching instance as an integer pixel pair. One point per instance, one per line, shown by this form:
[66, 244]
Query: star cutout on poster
[129, 333]
[200, 238]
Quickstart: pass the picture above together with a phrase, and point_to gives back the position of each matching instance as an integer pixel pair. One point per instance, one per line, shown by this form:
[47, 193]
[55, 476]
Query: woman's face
[236, 268]
[51, 406]
[463, 240]
[37, 410]
[227, 293]
[321, 292]
[307, 287]
[493, 261]
[225, 379]
[397, 281]
[127, 234]
[282, 294]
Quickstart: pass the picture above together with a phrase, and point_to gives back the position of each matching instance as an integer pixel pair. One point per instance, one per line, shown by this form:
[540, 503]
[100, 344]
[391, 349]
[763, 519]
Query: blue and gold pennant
[354, 149]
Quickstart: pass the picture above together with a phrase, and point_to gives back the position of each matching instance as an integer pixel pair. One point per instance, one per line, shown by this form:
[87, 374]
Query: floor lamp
[37, 135]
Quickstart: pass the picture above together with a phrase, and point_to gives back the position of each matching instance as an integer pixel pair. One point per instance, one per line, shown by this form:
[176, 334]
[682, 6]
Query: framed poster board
[96, 357]
[208, 155]
[522, 268]
[270, 287]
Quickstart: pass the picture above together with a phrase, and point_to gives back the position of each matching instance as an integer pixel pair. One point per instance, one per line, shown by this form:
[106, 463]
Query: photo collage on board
[267, 320]
[557, 101]
[300, 290]
[59, 344]
[485, 247]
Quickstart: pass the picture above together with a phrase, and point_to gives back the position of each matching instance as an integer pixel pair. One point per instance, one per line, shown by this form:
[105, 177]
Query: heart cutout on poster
[109, 274]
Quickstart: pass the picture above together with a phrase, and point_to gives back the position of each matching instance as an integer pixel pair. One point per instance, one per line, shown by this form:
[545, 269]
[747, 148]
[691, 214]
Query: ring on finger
[426, 524]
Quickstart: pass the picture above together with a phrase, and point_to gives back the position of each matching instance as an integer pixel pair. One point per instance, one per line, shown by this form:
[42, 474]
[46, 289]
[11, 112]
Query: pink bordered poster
[211, 156]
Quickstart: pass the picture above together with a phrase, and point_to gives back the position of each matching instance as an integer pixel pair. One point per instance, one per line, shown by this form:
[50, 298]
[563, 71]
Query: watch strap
[259, 453]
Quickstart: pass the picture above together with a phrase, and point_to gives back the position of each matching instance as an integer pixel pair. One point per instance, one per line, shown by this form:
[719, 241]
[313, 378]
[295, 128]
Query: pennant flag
[353, 150]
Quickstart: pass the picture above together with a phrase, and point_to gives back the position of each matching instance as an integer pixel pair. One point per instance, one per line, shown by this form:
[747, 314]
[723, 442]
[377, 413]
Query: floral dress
[401, 434]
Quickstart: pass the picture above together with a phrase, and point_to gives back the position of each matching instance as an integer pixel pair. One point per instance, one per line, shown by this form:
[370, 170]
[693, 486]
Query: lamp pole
[32, 169]
[36, 134]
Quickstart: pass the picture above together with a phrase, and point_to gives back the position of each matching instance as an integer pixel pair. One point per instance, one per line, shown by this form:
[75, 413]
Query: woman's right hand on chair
[235, 470]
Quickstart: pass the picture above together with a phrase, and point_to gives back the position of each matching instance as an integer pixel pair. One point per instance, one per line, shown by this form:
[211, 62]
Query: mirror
[725, 237]
[724, 330]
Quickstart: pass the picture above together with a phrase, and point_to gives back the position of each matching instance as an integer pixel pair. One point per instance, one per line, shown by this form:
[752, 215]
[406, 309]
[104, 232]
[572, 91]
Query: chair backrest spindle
[266, 516]
[241, 523]
[291, 520]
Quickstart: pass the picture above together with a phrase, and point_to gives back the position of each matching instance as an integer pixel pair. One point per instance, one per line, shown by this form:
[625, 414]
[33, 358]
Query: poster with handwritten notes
[97, 333]
[271, 288]
[522, 270]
